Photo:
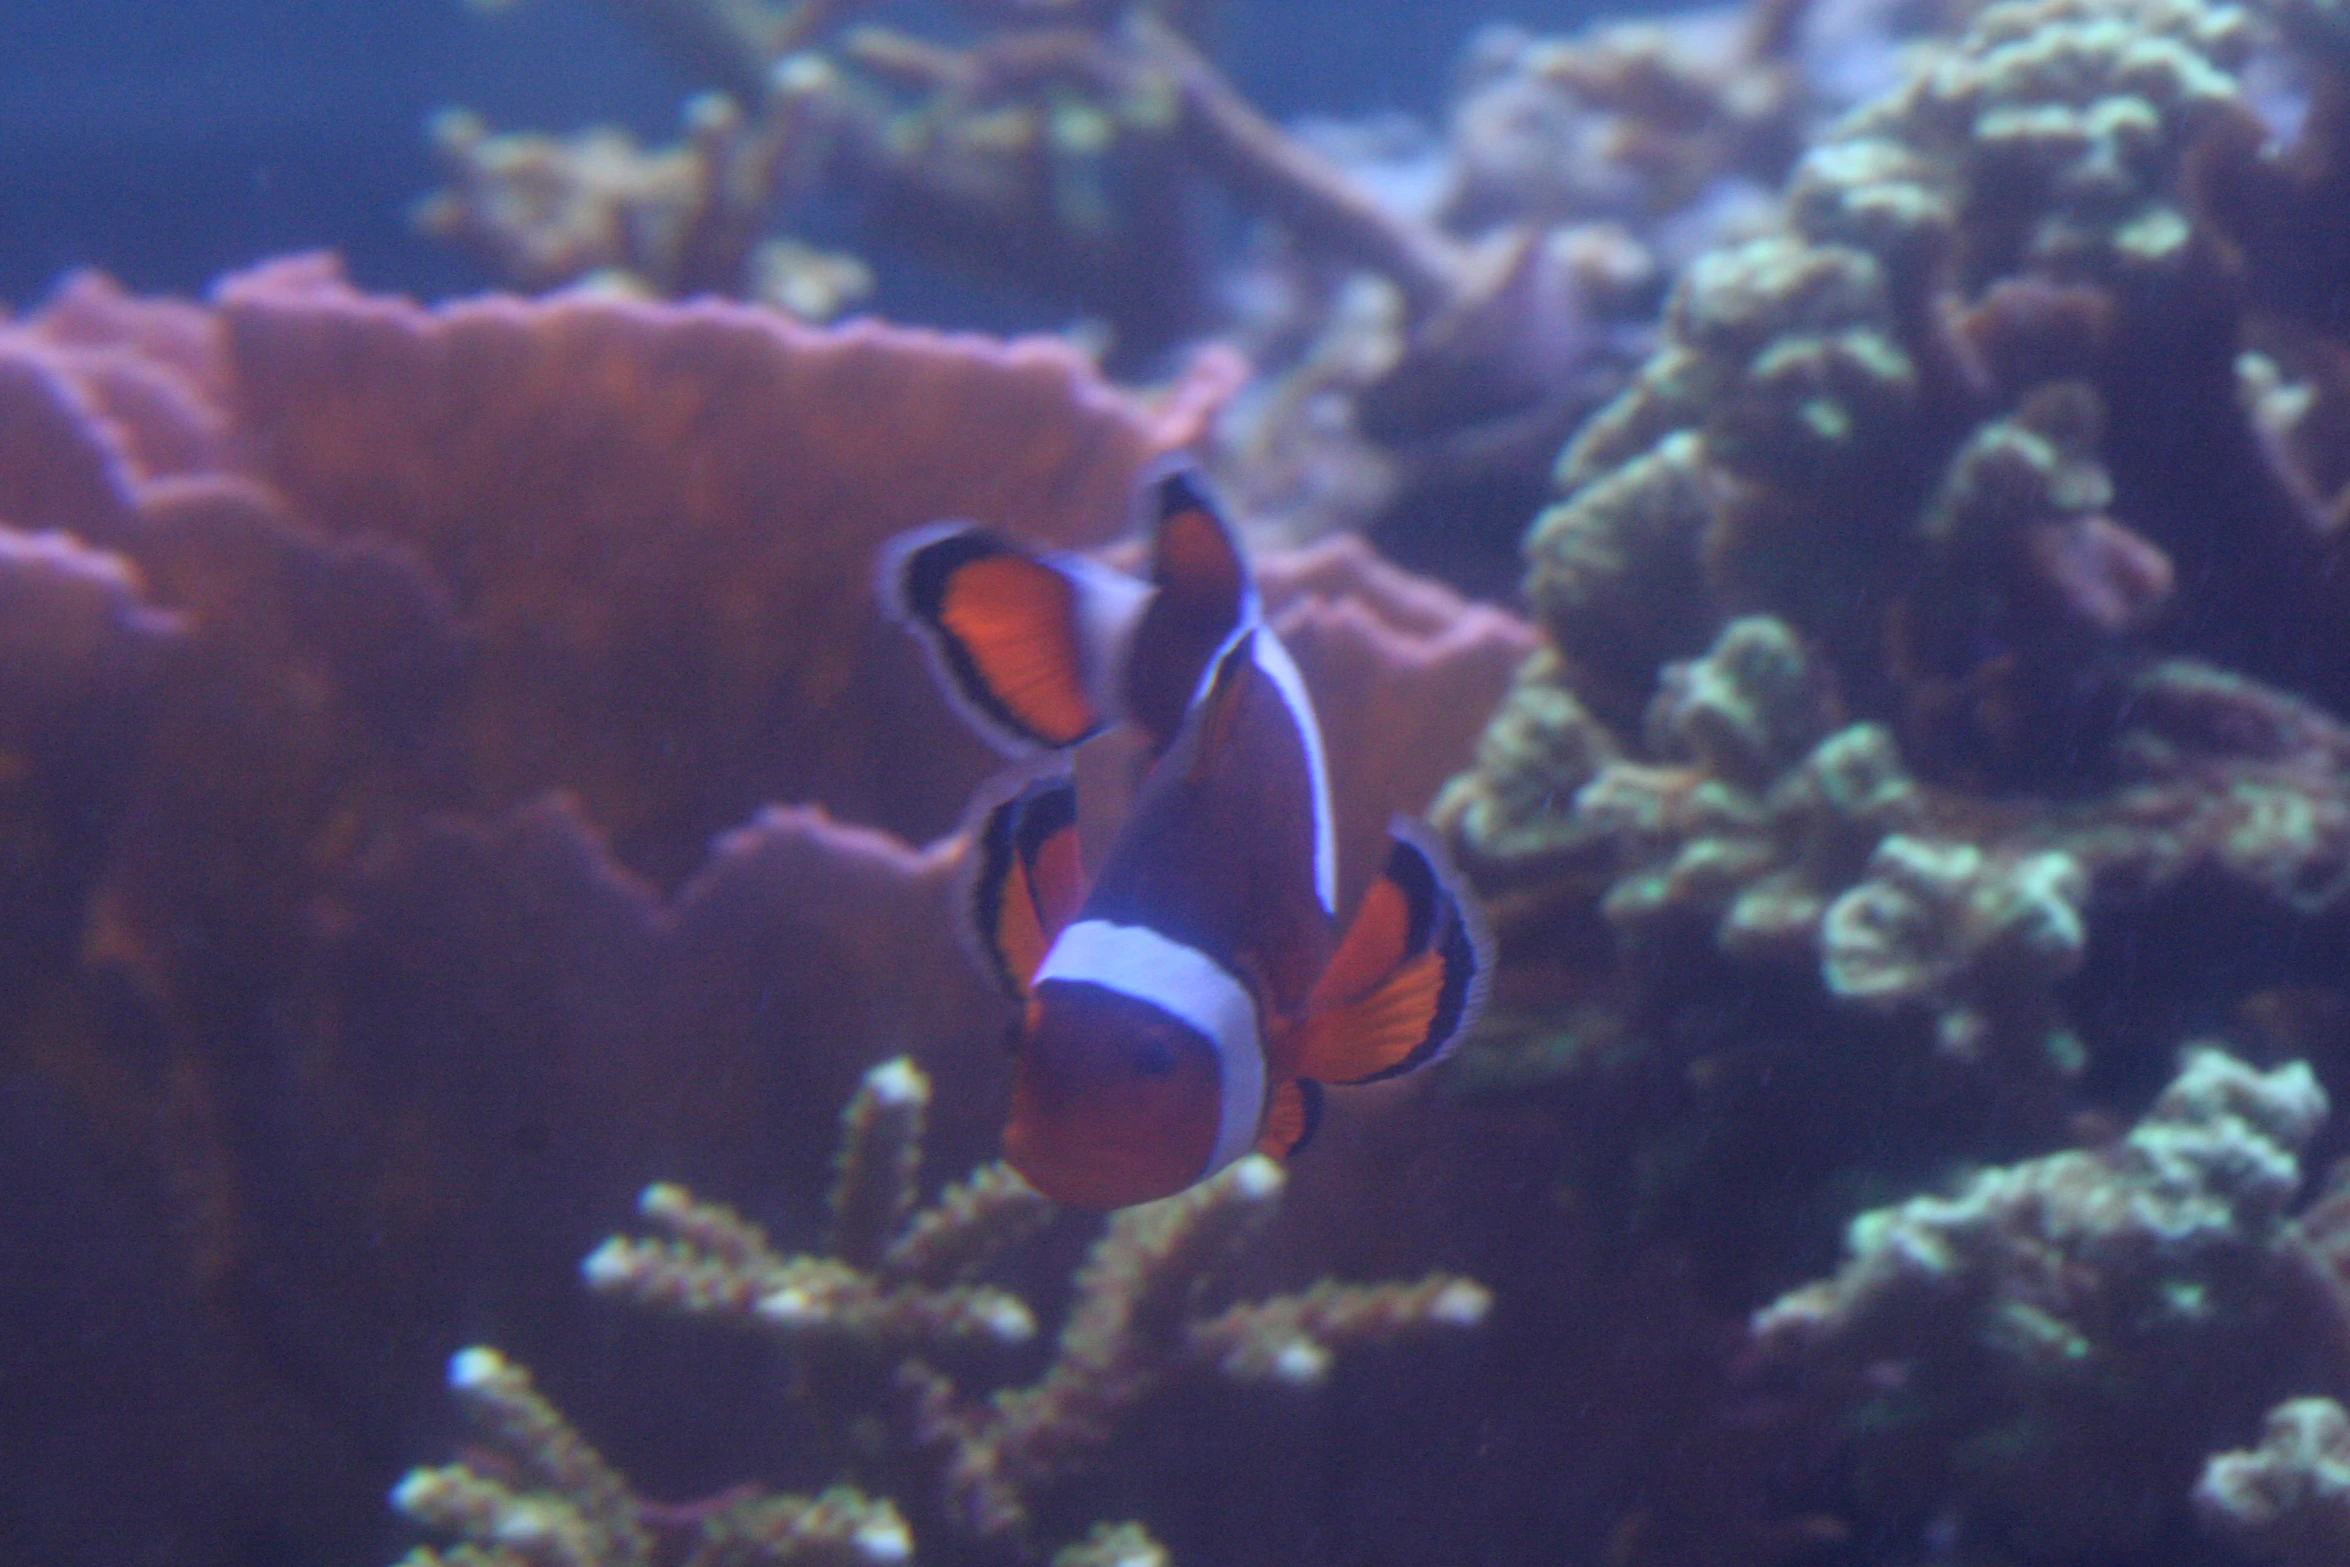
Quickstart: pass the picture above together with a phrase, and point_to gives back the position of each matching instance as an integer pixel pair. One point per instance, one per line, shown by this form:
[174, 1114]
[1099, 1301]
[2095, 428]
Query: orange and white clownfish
[1184, 1008]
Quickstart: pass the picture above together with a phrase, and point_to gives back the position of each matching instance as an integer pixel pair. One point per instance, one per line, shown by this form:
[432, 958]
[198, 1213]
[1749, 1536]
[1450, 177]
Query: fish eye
[1154, 1058]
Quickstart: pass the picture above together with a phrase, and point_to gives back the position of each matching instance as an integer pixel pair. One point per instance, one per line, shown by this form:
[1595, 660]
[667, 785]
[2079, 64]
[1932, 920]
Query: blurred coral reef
[396, 706]
[1432, 312]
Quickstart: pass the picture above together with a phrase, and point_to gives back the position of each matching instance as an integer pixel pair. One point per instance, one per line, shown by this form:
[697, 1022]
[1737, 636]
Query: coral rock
[2289, 1498]
[2087, 1314]
[1944, 923]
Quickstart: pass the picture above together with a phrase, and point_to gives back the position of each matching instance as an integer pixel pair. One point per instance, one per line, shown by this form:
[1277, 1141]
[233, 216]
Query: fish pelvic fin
[1027, 879]
[1021, 642]
[1408, 977]
[1293, 1113]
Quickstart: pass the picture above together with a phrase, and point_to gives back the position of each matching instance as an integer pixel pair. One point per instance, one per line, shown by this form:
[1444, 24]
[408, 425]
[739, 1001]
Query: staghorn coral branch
[1291, 1338]
[576, 1511]
[1132, 1328]
[713, 1263]
[838, 1527]
[980, 1216]
[1114, 1545]
[499, 1396]
[1275, 174]
[880, 1154]
[1122, 1337]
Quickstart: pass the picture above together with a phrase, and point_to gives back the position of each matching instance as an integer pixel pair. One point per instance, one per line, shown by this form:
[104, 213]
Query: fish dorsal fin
[1408, 977]
[1216, 714]
[1027, 880]
[1293, 1114]
[1253, 660]
[1203, 595]
[1021, 641]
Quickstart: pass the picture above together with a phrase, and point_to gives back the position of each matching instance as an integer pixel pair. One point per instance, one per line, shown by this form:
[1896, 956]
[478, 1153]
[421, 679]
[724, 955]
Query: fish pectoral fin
[1202, 595]
[1292, 1116]
[1012, 635]
[1027, 879]
[1408, 977]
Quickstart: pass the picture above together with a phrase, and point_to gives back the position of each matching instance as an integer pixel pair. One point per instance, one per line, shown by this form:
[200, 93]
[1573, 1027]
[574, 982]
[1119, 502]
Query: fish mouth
[1081, 1171]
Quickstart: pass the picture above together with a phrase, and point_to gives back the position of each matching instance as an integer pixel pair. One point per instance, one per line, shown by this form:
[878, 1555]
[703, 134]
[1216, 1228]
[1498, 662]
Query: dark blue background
[167, 140]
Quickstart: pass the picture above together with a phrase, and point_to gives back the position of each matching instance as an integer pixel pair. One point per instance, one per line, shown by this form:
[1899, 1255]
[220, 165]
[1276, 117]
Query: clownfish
[1184, 1006]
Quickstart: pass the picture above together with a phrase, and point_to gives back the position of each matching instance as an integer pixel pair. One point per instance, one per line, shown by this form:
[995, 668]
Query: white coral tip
[1301, 1363]
[608, 1265]
[476, 1367]
[898, 1082]
[1007, 1320]
[526, 1524]
[1256, 1178]
[883, 1539]
[790, 1307]
[663, 1200]
[415, 1492]
[1461, 1304]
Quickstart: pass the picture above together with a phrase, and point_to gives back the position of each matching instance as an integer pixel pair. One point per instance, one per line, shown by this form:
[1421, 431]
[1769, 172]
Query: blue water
[167, 142]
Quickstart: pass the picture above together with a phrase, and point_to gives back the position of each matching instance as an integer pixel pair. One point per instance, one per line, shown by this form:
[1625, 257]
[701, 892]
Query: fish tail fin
[1408, 977]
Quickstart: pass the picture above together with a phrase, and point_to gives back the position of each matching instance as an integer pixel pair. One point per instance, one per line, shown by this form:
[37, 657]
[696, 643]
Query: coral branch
[985, 1213]
[1114, 1545]
[1132, 1327]
[712, 1263]
[1133, 1323]
[1288, 181]
[880, 1154]
[572, 1510]
[1292, 1338]
[2092, 1317]
[2289, 1498]
[1124, 1334]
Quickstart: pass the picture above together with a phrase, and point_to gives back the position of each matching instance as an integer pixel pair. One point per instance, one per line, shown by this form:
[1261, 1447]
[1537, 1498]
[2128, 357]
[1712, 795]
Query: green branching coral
[892, 1300]
[2288, 1499]
[1613, 569]
[1766, 809]
[1979, 937]
[1840, 427]
[550, 1500]
[893, 1278]
[1134, 1326]
[2052, 1347]
[2052, 136]
[1902, 464]
[1114, 1545]
[1511, 815]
